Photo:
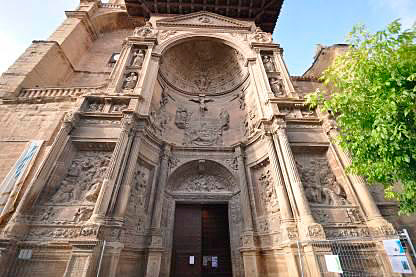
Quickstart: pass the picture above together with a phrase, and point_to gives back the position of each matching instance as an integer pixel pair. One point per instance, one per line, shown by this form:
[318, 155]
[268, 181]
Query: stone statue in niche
[268, 64]
[321, 186]
[130, 81]
[95, 107]
[138, 58]
[276, 85]
[145, 31]
[267, 192]
[83, 180]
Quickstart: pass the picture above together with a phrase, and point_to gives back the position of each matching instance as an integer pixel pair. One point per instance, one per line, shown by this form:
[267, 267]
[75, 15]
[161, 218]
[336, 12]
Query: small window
[113, 59]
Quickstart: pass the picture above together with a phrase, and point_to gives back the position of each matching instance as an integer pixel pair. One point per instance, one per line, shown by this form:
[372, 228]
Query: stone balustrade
[55, 92]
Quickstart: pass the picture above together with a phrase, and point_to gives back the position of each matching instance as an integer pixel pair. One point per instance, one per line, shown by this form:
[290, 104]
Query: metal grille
[358, 257]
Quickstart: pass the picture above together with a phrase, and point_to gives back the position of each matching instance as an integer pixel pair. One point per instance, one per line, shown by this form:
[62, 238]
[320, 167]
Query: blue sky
[302, 24]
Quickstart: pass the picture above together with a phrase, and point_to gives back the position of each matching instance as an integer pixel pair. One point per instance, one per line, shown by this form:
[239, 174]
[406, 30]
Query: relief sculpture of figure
[334, 193]
[131, 81]
[138, 58]
[224, 119]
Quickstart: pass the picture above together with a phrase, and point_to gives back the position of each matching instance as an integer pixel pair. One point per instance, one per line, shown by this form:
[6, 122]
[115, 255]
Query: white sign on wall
[333, 263]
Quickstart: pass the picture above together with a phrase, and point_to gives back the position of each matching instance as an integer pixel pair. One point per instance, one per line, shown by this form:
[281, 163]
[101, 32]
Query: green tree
[371, 90]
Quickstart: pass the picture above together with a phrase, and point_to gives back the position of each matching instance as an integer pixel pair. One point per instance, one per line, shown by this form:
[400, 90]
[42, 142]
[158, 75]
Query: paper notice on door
[214, 261]
[333, 264]
[393, 247]
[206, 260]
[400, 264]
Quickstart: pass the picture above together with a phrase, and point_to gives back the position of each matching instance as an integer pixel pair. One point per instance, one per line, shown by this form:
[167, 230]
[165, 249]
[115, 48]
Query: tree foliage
[371, 90]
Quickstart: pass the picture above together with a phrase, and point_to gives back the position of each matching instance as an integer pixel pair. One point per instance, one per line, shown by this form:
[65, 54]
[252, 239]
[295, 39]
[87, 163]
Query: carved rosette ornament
[165, 34]
[261, 37]
[315, 232]
[145, 31]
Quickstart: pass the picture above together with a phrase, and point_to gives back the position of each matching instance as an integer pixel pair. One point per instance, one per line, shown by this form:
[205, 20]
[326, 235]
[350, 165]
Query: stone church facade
[137, 123]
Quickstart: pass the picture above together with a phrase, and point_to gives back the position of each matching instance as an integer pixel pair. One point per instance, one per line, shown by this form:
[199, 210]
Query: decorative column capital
[278, 125]
[127, 122]
[71, 119]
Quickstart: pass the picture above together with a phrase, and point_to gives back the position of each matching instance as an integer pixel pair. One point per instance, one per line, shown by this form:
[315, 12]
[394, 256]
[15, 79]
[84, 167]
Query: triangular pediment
[203, 19]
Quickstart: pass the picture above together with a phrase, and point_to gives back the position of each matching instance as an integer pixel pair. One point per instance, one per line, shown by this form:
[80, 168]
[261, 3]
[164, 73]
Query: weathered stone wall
[20, 123]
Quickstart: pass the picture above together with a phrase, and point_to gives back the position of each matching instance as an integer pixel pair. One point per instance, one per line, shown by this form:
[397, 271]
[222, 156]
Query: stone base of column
[251, 267]
[84, 259]
[154, 262]
[110, 262]
[293, 261]
[16, 229]
[8, 253]
[380, 227]
[154, 256]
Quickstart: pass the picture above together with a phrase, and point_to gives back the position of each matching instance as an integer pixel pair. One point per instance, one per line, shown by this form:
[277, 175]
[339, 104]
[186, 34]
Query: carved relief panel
[138, 200]
[265, 195]
[327, 196]
[71, 200]
[320, 184]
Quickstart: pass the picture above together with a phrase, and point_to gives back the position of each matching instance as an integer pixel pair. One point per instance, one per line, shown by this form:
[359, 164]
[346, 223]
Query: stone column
[374, 217]
[287, 228]
[279, 185]
[109, 189]
[249, 252]
[124, 194]
[17, 224]
[154, 259]
[309, 228]
[245, 200]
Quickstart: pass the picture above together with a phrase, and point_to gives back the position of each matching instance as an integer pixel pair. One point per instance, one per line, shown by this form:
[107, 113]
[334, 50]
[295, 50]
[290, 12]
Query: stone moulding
[203, 20]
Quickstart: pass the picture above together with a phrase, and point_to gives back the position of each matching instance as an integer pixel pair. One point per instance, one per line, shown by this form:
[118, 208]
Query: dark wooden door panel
[216, 241]
[187, 241]
[201, 231]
